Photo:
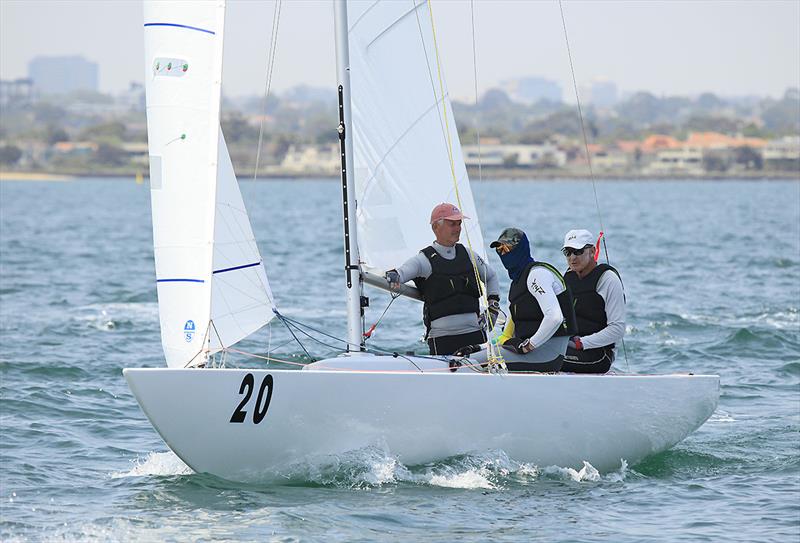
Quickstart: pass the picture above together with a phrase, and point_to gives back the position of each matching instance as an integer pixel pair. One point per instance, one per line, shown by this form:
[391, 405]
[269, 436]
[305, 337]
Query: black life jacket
[452, 287]
[526, 312]
[590, 308]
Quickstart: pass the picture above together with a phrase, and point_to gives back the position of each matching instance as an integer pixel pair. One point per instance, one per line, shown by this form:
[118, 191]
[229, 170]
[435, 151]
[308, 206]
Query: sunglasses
[504, 248]
[568, 251]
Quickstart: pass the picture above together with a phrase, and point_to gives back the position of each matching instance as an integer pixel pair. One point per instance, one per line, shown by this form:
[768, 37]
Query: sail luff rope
[588, 154]
[494, 356]
[276, 15]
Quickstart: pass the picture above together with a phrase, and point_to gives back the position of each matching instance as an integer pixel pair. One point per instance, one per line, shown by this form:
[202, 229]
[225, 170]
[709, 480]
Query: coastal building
[496, 155]
[683, 161]
[312, 160]
[529, 90]
[61, 75]
[783, 154]
[17, 92]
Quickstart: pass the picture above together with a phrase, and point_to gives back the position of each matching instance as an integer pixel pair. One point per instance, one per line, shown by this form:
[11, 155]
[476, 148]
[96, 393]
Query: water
[711, 271]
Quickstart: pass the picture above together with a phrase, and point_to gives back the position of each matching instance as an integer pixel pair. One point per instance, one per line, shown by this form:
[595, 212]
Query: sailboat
[400, 157]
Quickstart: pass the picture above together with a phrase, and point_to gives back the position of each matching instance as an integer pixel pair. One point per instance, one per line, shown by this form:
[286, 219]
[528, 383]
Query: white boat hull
[418, 417]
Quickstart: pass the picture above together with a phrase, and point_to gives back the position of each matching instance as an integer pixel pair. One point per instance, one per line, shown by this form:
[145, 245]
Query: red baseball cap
[446, 211]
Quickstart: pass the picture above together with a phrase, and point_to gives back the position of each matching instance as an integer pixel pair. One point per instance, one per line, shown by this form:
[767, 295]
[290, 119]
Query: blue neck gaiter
[519, 257]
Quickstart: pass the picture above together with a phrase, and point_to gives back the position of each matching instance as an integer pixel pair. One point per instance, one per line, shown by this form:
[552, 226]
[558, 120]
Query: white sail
[404, 133]
[193, 189]
[241, 298]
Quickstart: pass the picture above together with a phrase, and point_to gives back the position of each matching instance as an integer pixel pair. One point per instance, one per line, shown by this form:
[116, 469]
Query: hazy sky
[666, 47]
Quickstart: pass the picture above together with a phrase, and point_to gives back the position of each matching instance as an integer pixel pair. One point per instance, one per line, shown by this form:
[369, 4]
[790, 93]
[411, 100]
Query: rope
[368, 333]
[588, 154]
[494, 356]
[273, 46]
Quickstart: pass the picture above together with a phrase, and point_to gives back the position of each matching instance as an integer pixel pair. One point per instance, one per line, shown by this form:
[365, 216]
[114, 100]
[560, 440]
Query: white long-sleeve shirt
[545, 286]
[609, 287]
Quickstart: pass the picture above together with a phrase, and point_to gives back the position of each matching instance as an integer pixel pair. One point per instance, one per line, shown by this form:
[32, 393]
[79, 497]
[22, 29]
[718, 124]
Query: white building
[514, 156]
[312, 159]
[686, 161]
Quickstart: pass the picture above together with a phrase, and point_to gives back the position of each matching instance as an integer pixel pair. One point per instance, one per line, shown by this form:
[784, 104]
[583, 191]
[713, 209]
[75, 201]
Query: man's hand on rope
[393, 278]
[518, 345]
[467, 350]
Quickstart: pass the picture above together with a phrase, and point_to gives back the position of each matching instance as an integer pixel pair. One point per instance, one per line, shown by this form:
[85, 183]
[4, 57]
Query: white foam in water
[781, 320]
[376, 466]
[721, 416]
[105, 316]
[589, 473]
[472, 478]
[156, 464]
[482, 470]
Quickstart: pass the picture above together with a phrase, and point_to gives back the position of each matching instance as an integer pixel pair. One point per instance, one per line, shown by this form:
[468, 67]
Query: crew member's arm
[609, 287]
[416, 266]
[540, 284]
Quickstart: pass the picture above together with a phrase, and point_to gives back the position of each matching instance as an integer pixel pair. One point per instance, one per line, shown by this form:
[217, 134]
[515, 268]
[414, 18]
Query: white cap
[578, 239]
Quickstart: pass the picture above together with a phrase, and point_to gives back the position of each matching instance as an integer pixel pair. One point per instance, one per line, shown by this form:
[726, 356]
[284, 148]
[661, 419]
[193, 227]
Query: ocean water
[712, 273]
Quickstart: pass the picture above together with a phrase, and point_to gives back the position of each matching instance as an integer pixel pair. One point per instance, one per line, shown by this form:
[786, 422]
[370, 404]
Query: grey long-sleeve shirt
[463, 323]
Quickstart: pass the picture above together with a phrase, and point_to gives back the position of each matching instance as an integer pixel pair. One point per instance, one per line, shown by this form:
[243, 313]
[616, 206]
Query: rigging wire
[276, 16]
[588, 154]
[475, 79]
[368, 333]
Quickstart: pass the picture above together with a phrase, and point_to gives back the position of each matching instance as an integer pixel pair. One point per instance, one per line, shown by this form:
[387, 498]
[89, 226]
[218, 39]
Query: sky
[731, 48]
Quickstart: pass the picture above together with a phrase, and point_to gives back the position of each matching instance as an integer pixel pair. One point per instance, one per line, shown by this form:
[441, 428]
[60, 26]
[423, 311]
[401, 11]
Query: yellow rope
[495, 357]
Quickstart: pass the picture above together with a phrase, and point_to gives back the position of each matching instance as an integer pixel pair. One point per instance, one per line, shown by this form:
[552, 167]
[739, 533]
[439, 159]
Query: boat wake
[374, 467]
[157, 464]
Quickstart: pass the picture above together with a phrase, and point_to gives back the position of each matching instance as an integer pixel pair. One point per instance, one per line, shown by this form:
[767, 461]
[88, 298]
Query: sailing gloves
[575, 343]
[467, 350]
[394, 278]
[494, 309]
[518, 345]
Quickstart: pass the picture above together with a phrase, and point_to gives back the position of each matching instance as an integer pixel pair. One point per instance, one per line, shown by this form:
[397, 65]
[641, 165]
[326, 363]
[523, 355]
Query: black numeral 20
[262, 404]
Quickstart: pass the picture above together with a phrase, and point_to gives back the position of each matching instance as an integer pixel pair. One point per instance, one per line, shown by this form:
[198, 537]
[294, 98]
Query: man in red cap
[445, 275]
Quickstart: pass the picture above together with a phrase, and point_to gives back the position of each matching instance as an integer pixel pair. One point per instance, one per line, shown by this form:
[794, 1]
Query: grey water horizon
[711, 271]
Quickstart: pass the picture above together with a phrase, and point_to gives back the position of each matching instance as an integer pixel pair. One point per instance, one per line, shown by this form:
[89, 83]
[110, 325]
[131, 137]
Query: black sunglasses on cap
[568, 251]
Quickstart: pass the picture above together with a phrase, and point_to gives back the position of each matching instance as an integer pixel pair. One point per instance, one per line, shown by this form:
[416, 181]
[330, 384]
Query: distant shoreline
[492, 175]
[34, 176]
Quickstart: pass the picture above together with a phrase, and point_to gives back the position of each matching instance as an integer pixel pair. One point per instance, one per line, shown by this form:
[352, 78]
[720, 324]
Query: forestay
[404, 133]
[212, 288]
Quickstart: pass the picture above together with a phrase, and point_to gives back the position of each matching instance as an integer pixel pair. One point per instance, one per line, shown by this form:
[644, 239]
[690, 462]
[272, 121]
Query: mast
[355, 318]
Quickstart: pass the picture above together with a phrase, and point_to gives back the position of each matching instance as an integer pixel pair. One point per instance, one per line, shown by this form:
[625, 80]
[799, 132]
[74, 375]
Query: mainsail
[407, 153]
[212, 287]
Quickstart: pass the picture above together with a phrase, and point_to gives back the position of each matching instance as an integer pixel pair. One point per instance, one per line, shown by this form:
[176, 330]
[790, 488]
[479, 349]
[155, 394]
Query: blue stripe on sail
[180, 281]
[238, 267]
[182, 26]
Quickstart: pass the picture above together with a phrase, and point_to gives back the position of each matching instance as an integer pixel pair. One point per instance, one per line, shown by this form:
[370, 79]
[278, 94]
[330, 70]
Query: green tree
[110, 132]
[110, 155]
[10, 154]
[56, 134]
[749, 157]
